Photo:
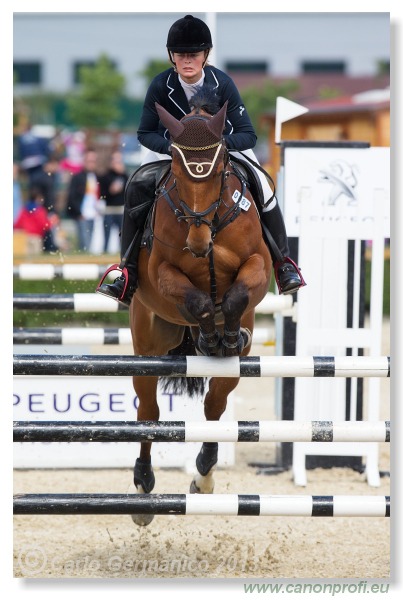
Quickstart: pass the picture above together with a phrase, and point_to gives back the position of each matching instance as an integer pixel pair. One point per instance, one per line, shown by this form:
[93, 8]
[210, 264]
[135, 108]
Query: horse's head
[198, 164]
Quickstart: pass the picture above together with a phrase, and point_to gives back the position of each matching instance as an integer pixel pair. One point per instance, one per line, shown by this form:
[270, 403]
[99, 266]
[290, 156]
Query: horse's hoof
[202, 485]
[209, 345]
[236, 348]
[141, 520]
[193, 488]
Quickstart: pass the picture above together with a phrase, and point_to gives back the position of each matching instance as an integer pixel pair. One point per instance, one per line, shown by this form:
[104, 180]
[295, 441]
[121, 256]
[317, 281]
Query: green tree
[383, 67]
[153, 68]
[95, 105]
[259, 100]
[326, 92]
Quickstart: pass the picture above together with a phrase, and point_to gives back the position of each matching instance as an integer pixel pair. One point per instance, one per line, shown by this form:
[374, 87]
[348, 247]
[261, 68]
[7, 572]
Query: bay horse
[207, 270]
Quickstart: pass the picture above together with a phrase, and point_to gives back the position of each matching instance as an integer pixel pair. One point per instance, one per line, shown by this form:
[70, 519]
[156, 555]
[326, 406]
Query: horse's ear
[217, 123]
[174, 126]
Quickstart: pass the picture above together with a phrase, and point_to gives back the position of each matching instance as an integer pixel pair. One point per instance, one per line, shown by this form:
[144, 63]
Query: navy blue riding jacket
[166, 89]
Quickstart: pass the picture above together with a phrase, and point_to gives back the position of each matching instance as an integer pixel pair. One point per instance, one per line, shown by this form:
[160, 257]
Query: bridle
[184, 213]
[203, 170]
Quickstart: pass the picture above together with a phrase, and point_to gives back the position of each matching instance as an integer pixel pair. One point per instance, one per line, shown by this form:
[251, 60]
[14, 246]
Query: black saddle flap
[141, 186]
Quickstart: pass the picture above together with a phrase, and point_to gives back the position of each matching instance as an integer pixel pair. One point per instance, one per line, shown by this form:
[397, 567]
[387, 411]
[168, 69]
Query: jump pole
[202, 504]
[85, 302]
[47, 272]
[200, 366]
[103, 336]
[209, 431]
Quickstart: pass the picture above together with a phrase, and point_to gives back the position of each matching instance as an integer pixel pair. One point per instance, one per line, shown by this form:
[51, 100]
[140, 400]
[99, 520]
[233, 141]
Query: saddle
[140, 188]
[140, 194]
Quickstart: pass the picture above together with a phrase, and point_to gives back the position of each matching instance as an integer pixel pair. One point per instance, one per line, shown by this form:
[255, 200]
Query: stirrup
[123, 271]
[298, 270]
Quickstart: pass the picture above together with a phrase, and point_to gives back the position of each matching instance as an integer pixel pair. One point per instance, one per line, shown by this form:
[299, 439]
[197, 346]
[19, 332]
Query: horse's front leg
[248, 289]
[201, 307]
[234, 304]
[175, 286]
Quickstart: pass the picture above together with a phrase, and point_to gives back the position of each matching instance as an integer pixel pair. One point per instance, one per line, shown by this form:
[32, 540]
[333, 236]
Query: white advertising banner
[339, 183]
[102, 399]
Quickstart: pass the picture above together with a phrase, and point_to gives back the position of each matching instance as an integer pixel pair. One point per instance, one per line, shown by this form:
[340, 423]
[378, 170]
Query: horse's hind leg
[143, 474]
[203, 481]
[214, 405]
[151, 336]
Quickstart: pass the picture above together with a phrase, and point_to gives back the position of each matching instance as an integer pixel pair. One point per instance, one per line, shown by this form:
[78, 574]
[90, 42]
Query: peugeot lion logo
[343, 178]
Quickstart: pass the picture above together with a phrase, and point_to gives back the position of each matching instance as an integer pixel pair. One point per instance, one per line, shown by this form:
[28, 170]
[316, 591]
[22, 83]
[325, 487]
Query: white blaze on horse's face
[197, 164]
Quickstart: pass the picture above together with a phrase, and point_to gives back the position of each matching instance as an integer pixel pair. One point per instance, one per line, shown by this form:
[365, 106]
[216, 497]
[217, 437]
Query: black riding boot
[124, 286]
[139, 198]
[288, 276]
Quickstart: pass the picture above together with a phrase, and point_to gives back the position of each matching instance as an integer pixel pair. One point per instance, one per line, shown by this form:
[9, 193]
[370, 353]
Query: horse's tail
[192, 386]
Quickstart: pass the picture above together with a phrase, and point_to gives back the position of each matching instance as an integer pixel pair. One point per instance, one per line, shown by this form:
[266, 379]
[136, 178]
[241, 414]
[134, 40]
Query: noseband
[197, 218]
[191, 217]
[216, 224]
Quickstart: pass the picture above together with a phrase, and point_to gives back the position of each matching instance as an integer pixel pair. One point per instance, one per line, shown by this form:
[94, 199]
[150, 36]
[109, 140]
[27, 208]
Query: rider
[189, 43]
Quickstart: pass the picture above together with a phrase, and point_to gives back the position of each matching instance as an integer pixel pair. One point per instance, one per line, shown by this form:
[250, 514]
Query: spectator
[112, 186]
[74, 143]
[48, 182]
[34, 219]
[83, 199]
[33, 153]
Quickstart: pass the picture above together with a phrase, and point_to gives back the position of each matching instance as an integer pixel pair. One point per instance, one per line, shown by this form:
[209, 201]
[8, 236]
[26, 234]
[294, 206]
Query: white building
[49, 47]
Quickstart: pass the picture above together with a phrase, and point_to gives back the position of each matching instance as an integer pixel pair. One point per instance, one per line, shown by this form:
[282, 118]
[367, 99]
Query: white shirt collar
[191, 88]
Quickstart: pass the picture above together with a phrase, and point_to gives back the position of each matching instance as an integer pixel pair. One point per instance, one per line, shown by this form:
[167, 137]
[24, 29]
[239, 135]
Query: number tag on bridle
[243, 202]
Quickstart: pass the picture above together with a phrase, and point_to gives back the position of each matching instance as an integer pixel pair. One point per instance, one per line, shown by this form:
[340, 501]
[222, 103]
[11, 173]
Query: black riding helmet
[188, 34]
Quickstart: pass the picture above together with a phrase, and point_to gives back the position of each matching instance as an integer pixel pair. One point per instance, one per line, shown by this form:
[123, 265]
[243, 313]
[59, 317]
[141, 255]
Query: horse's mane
[205, 99]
